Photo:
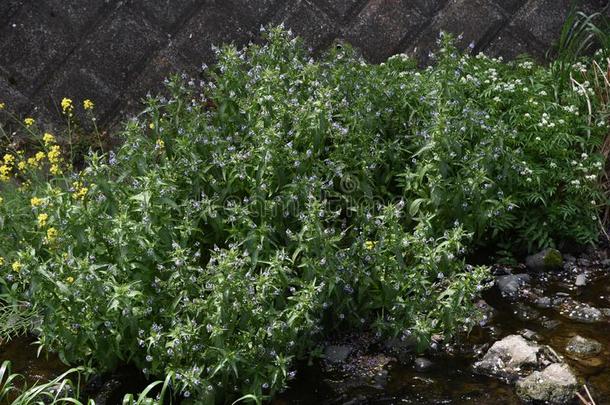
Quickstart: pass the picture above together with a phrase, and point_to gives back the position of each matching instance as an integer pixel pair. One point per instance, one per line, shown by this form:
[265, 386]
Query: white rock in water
[508, 356]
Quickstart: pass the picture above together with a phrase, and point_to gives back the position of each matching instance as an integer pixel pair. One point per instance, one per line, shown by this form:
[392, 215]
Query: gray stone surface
[508, 357]
[555, 384]
[581, 346]
[547, 259]
[510, 284]
[115, 51]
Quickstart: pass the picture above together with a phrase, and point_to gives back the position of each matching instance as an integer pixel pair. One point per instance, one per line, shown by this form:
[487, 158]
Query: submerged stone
[422, 364]
[581, 346]
[580, 312]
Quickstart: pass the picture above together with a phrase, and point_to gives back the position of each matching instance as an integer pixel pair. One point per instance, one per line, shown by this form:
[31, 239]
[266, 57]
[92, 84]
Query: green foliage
[247, 215]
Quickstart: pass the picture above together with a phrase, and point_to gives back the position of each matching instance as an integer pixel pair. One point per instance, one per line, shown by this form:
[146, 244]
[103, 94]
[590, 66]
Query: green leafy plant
[283, 198]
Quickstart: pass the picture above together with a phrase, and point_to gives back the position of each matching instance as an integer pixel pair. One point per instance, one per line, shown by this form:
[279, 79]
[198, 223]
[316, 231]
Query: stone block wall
[115, 51]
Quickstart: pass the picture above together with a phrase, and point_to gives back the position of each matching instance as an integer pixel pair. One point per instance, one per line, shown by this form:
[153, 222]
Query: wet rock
[507, 357]
[568, 258]
[580, 312]
[548, 259]
[358, 372]
[581, 280]
[511, 284]
[581, 346]
[605, 311]
[559, 299]
[583, 262]
[550, 323]
[423, 365]
[543, 302]
[556, 384]
[525, 313]
[530, 335]
[605, 263]
[337, 353]
[402, 349]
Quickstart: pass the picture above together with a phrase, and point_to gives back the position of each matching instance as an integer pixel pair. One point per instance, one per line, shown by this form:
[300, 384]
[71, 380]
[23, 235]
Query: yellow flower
[88, 104]
[70, 280]
[81, 193]
[36, 202]
[369, 245]
[79, 190]
[29, 122]
[42, 219]
[55, 170]
[21, 165]
[66, 106]
[2, 105]
[1, 261]
[159, 144]
[151, 125]
[1, 201]
[51, 234]
[54, 154]
[5, 172]
[9, 159]
[16, 266]
[48, 138]
[39, 156]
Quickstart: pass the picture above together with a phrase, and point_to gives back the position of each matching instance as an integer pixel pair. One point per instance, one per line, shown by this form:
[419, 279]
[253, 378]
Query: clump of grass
[62, 390]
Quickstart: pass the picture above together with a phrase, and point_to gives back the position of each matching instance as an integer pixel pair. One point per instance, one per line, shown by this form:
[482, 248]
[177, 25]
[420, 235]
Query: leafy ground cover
[282, 198]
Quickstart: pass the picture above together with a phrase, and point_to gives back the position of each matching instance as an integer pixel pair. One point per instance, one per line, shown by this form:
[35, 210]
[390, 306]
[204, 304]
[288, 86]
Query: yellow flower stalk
[36, 202]
[54, 154]
[55, 170]
[51, 234]
[66, 106]
[48, 138]
[9, 159]
[42, 219]
[5, 172]
[16, 266]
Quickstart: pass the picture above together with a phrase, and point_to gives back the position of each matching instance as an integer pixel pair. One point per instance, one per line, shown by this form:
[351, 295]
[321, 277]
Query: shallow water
[22, 352]
[450, 381]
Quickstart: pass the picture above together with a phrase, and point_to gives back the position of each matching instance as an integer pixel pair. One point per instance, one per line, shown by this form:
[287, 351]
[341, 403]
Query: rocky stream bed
[545, 334]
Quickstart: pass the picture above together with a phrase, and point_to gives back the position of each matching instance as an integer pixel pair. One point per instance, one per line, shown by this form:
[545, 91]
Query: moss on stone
[553, 259]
